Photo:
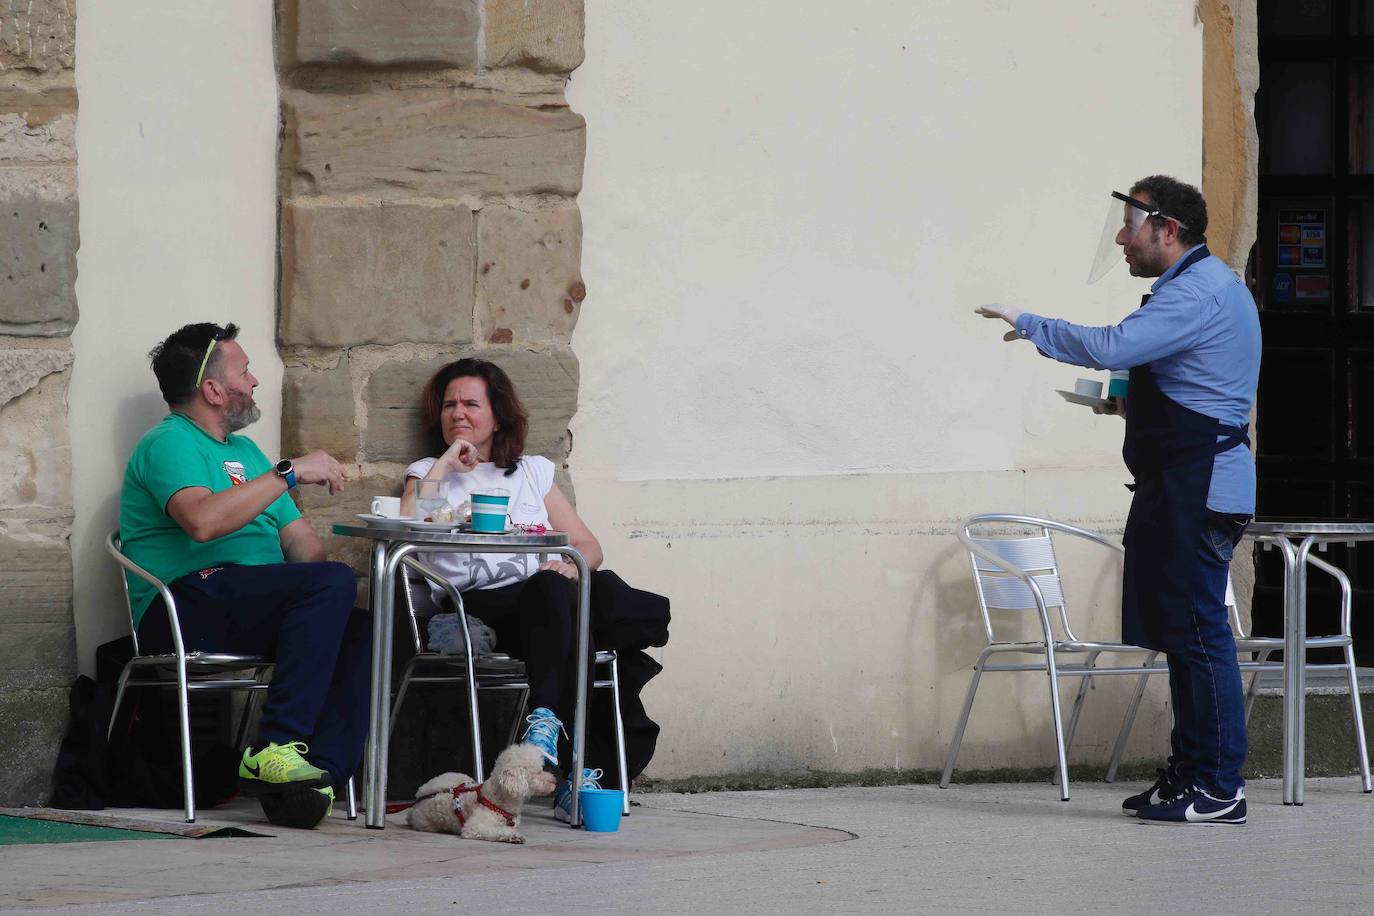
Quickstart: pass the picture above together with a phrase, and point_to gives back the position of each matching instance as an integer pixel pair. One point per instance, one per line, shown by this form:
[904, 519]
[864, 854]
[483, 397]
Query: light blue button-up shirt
[1200, 334]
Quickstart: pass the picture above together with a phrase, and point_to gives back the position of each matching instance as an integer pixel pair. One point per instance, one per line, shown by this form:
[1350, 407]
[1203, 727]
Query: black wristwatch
[287, 471]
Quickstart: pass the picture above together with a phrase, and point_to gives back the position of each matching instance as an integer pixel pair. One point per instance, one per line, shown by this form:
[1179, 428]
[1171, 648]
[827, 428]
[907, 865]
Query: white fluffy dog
[455, 803]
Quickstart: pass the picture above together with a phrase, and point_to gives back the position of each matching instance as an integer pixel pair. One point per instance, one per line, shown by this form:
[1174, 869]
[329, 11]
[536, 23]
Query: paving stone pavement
[906, 849]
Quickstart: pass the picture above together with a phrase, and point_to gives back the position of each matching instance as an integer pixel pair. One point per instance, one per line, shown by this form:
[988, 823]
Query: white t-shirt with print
[531, 482]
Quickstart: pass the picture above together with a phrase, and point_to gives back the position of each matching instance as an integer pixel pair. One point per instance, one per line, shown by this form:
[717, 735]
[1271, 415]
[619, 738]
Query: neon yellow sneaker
[278, 767]
[303, 809]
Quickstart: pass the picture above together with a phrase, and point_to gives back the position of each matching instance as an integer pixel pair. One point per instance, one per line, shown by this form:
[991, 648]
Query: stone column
[38, 226]
[429, 170]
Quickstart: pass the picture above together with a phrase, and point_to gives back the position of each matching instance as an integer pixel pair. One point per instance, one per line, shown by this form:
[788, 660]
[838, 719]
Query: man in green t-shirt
[206, 512]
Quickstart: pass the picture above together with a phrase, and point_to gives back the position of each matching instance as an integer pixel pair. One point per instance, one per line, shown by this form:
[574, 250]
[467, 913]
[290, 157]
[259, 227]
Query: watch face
[284, 466]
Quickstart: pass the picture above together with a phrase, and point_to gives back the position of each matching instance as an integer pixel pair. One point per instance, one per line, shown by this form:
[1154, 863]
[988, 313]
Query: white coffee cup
[386, 506]
[1088, 388]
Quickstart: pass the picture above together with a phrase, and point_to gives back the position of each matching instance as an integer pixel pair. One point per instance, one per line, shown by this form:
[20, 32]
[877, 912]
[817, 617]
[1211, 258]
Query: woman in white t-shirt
[477, 425]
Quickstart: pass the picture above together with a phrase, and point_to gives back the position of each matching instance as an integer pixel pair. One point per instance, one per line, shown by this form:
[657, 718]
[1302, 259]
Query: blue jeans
[1208, 741]
[302, 615]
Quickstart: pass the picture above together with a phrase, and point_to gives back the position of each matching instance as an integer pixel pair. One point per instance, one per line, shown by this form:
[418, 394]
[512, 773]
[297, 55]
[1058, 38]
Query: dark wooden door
[1314, 283]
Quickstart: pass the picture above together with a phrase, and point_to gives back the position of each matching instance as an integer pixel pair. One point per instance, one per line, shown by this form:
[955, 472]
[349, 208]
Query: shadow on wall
[134, 416]
[959, 638]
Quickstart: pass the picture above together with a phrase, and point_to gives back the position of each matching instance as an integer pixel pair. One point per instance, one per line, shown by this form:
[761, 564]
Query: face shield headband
[1125, 217]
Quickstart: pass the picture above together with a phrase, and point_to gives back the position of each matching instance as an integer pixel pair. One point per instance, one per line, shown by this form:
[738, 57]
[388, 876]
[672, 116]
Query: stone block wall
[38, 243]
[429, 170]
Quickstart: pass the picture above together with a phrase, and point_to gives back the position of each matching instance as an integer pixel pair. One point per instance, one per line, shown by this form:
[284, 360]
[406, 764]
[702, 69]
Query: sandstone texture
[373, 273]
[37, 642]
[35, 451]
[388, 33]
[529, 281]
[442, 142]
[31, 725]
[37, 265]
[38, 35]
[317, 412]
[545, 36]
[21, 368]
[546, 379]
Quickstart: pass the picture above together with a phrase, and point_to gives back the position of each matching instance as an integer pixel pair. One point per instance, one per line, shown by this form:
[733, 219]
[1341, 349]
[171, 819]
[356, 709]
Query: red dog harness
[458, 792]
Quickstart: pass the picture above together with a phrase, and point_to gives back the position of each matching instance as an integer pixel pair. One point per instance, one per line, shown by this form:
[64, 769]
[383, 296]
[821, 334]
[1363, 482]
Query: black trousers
[536, 621]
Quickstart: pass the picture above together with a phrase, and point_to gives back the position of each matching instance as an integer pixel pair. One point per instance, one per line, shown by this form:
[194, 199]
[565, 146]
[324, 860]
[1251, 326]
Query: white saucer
[466, 528]
[429, 526]
[1073, 397]
[384, 521]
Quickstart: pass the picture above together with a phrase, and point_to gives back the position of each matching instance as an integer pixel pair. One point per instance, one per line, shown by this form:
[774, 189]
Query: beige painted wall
[786, 401]
[177, 148]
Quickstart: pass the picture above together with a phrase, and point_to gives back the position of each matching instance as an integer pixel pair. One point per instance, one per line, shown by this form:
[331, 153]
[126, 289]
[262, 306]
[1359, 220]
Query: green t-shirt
[174, 455]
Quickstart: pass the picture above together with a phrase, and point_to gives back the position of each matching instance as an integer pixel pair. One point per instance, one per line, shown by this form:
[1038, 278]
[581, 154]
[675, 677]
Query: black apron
[1169, 450]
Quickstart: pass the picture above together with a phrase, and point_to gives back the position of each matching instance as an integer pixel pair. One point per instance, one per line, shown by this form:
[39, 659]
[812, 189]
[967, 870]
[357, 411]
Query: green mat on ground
[22, 830]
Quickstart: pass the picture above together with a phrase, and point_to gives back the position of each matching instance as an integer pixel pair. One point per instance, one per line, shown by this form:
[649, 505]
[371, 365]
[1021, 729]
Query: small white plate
[384, 521]
[1073, 397]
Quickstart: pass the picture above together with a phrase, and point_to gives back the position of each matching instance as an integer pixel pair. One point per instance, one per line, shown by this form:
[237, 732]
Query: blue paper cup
[489, 512]
[601, 809]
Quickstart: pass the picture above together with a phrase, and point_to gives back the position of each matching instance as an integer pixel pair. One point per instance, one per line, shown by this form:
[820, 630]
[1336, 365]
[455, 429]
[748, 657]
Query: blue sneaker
[542, 732]
[1195, 806]
[562, 799]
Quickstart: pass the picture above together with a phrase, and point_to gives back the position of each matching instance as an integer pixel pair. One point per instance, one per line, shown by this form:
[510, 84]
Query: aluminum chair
[187, 672]
[490, 671]
[1255, 652]
[1015, 569]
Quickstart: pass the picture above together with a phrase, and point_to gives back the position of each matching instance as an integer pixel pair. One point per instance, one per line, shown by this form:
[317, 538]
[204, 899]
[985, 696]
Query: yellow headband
[200, 376]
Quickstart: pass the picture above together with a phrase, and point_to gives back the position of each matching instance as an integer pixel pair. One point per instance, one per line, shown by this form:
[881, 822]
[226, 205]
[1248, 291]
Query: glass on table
[430, 495]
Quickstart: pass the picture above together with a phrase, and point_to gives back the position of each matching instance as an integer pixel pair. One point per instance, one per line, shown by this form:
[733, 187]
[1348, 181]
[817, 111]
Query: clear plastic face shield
[1126, 216]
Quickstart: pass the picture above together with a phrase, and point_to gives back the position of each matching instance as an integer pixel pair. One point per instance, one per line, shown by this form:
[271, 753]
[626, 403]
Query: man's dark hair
[512, 420]
[177, 360]
[1180, 200]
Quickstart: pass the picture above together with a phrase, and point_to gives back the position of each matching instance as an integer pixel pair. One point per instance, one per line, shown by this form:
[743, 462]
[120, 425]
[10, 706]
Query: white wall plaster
[177, 171]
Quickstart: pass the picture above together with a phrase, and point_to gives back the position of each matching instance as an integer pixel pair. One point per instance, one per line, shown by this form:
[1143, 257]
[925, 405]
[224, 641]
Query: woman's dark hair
[177, 360]
[512, 420]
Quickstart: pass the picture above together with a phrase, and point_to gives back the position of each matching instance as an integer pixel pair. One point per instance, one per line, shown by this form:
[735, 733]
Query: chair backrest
[128, 567]
[1013, 558]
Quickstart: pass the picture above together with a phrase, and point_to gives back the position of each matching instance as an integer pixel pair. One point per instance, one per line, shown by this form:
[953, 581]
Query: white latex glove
[1008, 313]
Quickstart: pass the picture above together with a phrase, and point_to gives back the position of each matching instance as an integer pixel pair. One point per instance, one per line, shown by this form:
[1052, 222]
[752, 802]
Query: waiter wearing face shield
[1193, 351]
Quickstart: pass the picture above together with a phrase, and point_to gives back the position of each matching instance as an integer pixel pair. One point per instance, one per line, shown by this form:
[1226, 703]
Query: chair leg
[958, 738]
[351, 799]
[400, 698]
[475, 725]
[1358, 715]
[620, 738]
[1060, 753]
[1128, 723]
[1253, 691]
[184, 715]
[119, 698]
[1083, 684]
[521, 710]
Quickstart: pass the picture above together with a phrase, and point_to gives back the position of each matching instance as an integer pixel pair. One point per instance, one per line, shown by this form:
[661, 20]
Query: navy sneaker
[1195, 806]
[562, 799]
[542, 732]
[1167, 786]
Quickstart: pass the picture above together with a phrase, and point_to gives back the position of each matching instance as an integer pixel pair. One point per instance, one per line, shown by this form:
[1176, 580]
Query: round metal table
[391, 545]
[1295, 539]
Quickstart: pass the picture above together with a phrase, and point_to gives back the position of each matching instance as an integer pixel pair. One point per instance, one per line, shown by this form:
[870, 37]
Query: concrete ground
[905, 849]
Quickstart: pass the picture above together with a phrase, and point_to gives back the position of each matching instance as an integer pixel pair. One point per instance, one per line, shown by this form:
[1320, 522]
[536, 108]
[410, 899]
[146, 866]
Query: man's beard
[242, 412]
